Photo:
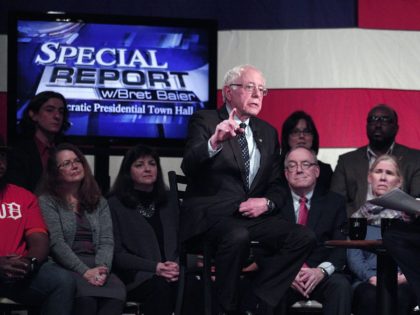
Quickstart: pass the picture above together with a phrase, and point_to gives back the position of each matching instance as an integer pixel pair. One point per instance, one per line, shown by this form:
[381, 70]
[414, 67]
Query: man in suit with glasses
[232, 162]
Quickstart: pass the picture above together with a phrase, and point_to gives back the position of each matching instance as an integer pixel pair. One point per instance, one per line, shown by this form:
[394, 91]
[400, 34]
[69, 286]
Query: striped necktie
[243, 143]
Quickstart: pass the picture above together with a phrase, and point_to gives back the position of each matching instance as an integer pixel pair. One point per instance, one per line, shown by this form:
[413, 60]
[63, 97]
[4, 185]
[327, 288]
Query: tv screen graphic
[123, 78]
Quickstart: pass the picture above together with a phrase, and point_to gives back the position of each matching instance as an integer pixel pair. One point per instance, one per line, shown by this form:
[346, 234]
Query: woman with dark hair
[42, 126]
[81, 236]
[145, 231]
[299, 131]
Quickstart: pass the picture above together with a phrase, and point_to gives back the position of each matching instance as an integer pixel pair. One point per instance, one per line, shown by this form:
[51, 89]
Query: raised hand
[225, 130]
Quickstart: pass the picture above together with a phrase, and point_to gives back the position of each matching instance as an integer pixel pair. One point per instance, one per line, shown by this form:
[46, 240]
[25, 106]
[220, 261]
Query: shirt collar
[237, 120]
[372, 155]
[296, 197]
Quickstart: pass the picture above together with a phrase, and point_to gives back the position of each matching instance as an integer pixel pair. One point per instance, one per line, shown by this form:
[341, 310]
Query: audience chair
[7, 306]
[177, 185]
[306, 307]
[132, 308]
[198, 247]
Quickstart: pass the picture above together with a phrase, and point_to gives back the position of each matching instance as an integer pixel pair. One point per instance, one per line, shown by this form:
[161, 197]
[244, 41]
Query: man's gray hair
[313, 153]
[234, 73]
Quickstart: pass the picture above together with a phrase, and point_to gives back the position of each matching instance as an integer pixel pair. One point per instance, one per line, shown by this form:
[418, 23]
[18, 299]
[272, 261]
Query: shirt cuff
[213, 152]
[329, 267]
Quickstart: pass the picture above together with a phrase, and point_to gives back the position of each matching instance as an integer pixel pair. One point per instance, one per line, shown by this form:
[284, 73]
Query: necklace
[73, 206]
[146, 211]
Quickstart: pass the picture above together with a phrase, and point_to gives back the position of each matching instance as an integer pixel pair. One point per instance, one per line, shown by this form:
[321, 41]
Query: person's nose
[299, 168]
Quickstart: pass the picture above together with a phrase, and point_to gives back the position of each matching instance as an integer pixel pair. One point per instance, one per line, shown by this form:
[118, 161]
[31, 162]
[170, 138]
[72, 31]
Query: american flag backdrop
[334, 59]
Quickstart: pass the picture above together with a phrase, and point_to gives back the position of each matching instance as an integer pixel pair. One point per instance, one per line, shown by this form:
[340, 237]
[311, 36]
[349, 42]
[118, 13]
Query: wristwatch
[34, 263]
[270, 205]
[324, 271]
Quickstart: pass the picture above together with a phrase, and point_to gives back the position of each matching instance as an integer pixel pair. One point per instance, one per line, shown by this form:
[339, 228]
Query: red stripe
[390, 14]
[340, 114]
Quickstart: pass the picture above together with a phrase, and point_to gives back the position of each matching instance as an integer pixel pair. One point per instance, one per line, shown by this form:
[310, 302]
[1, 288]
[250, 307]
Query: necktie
[303, 211]
[245, 154]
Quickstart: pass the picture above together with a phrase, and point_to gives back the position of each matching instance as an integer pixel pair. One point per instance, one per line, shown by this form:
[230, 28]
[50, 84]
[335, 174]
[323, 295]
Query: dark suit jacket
[327, 216]
[216, 185]
[136, 251]
[24, 164]
[350, 175]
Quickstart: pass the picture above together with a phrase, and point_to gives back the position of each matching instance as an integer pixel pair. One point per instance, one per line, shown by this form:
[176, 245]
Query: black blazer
[216, 185]
[24, 165]
[136, 249]
[327, 217]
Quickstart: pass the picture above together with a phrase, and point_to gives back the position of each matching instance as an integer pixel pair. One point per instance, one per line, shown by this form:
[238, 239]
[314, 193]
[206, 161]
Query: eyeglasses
[250, 88]
[67, 164]
[293, 166]
[297, 132]
[382, 119]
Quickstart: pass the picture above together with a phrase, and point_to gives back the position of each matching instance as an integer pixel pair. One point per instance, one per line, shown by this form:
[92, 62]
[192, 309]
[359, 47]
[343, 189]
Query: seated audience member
[384, 175]
[349, 177]
[325, 214]
[43, 123]
[80, 226]
[26, 275]
[145, 230]
[232, 161]
[299, 130]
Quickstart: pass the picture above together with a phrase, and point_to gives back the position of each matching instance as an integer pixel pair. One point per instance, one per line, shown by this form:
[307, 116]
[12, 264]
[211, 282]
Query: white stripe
[320, 58]
[325, 58]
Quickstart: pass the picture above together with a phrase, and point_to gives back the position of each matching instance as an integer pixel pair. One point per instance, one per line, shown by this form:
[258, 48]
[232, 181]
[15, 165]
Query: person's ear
[32, 114]
[317, 171]
[228, 92]
[369, 179]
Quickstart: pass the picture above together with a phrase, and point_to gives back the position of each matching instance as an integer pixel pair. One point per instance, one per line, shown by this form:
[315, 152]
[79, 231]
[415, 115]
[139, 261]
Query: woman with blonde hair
[384, 176]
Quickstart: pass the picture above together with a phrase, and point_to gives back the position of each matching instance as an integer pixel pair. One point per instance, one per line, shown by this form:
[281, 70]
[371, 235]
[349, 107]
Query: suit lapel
[256, 133]
[234, 145]
[361, 173]
[315, 211]
[288, 211]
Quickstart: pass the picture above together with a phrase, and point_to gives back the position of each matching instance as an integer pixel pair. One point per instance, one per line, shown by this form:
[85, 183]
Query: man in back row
[349, 178]
[232, 161]
[26, 275]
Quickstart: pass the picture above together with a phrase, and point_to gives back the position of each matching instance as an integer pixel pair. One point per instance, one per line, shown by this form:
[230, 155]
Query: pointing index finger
[232, 114]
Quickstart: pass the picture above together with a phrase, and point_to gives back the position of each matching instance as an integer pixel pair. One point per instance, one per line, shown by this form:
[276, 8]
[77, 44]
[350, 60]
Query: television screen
[126, 79]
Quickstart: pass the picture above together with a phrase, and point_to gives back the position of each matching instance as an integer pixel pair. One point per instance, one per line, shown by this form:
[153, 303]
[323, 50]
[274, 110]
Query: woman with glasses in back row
[81, 235]
[299, 130]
